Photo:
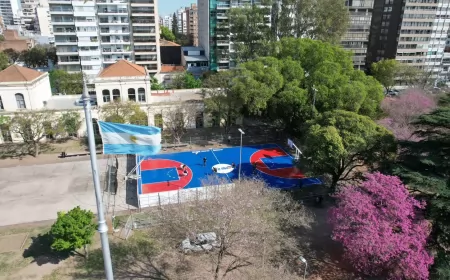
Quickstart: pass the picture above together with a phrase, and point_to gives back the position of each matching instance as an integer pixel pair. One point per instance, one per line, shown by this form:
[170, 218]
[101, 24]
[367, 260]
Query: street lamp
[240, 154]
[303, 260]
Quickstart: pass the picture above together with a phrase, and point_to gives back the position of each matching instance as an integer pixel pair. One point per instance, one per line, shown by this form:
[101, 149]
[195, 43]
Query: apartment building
[192, 24]
[167, 22]
[90, 36]
[414, 32]
[43, 20]
[9, 10]
[356, 38]
[182, 20]
[28, 13]
[214, 31]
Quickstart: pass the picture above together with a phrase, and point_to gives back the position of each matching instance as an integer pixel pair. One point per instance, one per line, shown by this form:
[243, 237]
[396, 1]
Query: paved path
[37, 192]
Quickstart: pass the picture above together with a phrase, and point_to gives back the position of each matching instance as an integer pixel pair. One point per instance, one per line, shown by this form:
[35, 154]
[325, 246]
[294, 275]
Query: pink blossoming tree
[402, 111]
[380, 230]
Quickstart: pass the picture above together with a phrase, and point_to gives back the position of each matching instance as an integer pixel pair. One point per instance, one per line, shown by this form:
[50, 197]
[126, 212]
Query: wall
[122, 84]
[203, 25]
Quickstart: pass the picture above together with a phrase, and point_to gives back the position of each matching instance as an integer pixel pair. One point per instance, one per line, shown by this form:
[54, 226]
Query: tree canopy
[378, 224]
[385, 71]
[67, 83]
[167, 34]
[425, 167]
[124, 112]
[186, 80]
[338, 142]
[12, 54]
[4, 61]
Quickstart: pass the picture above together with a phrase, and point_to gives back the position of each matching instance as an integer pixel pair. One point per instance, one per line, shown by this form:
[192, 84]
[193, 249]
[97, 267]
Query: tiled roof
[16, 73]
[123, 68]
[171, 68]
[165, 43]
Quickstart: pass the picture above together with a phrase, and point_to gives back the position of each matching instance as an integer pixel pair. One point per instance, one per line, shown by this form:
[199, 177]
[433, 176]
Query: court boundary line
[176, 169]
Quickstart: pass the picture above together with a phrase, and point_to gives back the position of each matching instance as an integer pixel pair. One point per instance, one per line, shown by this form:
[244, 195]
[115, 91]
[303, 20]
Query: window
[20, 101]
[158, 120]
[5, 133]
[116, 94]
[199, 120]
[131, 94]
[96, 128]
[141, 95]
[1, 104]
[106, 96]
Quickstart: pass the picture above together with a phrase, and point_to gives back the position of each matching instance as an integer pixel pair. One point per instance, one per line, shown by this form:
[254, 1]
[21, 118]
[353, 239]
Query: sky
[168, 7]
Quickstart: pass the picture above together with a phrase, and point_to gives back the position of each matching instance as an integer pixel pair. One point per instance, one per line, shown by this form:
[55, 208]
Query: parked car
[393, 92]
[203, 242]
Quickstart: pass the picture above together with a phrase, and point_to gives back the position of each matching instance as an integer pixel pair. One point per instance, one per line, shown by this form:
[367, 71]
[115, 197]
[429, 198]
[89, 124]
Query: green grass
[11, 262]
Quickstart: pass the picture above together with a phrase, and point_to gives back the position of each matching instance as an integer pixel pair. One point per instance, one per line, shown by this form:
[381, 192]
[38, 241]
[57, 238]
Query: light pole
[240, 154]
[102, 227]
[303, 260]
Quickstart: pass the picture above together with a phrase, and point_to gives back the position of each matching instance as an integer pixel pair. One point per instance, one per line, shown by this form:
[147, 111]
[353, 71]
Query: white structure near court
[26, 89]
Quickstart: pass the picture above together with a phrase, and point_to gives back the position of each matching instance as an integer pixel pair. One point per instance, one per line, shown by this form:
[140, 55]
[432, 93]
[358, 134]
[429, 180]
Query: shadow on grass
[41, 251]
[137, 258]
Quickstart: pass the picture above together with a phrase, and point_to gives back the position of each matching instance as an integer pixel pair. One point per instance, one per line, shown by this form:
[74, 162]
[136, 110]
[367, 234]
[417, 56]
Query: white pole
[102, 227]
[240, 154]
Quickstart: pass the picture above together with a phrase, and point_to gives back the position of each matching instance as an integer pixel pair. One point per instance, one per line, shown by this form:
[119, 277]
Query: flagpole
[102, 227]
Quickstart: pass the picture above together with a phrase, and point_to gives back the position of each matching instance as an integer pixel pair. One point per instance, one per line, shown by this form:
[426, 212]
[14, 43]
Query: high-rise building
[28, 13]
[414, 32]
[192, 24]
[9, 10]
[43, 20]
[167, 22]
[182, 20]
[356, 39]
[92, 35]
[214, 31]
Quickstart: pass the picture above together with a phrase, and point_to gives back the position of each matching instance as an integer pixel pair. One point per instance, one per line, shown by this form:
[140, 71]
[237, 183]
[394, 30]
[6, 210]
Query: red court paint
[288, 172]
[164, 186]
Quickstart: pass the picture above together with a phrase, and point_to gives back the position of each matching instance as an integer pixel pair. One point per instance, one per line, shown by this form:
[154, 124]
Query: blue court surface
[174, 171]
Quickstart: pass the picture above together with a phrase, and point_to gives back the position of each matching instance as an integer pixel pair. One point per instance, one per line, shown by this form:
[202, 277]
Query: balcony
[68, 61]
[64, 31]
[144, 50]
[60, 2]
[116, 50]
[62, 22]
[113, 22]
[111, 2]
[143, 2]
[222, 15]
[106, 11]
[222, 42]
[119, 42]
[142, 22]
[223, 5]
[142, 11]
[66, 42]
[61, 10]
[66, 51]
[107, 31]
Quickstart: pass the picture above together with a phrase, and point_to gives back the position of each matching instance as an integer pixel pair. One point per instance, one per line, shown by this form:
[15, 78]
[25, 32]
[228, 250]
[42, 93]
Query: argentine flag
[119, 139]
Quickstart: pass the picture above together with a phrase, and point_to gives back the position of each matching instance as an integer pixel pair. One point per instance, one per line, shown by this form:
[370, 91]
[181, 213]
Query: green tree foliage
[70, 122]
[124, 112]
[51, 55]
[221, 100]
[4, 61]
[425, 168]
[12, 54]
[385, 72]
[2, 38]
[338, 142]
[186, 80]
[325, 20]
[167, 34]
[35, 57]
[248, 34]
[73, 230]
[174, 24]
[67, 83]
[33, 126]
[303, 77]
[154, 84]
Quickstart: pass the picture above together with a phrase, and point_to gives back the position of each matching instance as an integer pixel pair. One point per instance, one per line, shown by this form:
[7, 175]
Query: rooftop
[195, 58]
[123, 68]
[192, 49]
[165, 43]
[171, 68]
[16, 73]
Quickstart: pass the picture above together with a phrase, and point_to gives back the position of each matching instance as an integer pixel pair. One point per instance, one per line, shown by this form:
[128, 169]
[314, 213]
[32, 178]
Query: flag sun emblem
[133, 139]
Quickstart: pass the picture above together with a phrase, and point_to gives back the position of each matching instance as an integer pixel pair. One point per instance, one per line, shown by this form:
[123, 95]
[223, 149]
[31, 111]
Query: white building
[25, 89]
[167, 22]
[28, 15]
[182, 20]
[43, 20]
[97, 34]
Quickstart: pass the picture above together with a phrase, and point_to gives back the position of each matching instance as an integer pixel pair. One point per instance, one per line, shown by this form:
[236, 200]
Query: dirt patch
[11, 243]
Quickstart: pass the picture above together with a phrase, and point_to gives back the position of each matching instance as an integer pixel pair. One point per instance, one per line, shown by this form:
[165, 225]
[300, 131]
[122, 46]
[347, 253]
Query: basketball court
[188, 170]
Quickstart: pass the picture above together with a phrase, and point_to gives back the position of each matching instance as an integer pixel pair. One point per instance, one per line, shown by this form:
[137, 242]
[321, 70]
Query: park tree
[51, 55]
[12, 54]
[174, 24]
[339, 142]
[67, 83]
[249, 36]
[257, 229]
[325, 20]
[124, 112]
[180, 117]
[73, 230]
[424, 166]
[221, 100]
[167, 34]
[35, 57]
[154, 84]
[186, 80]
[402, 111]
[70, 123]
[385, 71]
[33, 126]
[380, 228]
[4, 61]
